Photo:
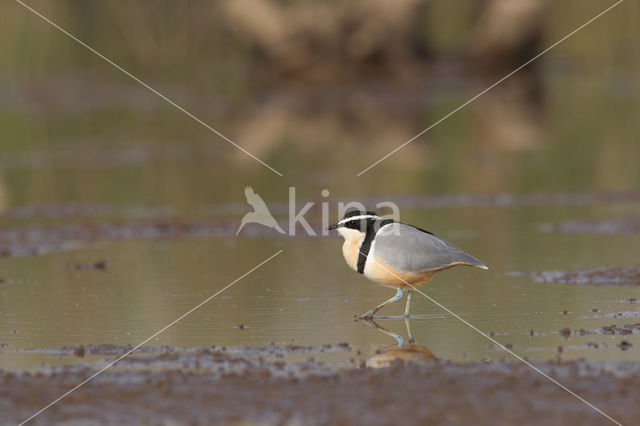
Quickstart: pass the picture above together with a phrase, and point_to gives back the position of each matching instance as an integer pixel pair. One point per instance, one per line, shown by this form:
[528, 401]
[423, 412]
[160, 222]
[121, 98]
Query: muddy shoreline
[211, 386]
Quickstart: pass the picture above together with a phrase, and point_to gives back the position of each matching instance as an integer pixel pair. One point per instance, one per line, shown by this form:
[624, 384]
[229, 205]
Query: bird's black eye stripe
[359, 225]
[370, 223]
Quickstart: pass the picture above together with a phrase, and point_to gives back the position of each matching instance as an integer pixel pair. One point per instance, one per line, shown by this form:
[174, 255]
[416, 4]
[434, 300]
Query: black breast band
[372, 228]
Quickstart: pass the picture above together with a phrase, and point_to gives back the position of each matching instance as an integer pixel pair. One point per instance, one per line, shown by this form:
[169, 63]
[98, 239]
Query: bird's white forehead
[363, 216]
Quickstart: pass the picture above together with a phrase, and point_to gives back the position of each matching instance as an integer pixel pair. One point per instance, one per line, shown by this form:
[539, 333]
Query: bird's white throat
[350, 234]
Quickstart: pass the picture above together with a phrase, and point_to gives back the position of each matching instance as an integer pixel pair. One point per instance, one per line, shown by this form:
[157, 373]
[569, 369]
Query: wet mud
[475, 200]
[111, 349]
[38, 240]
[209, 385]
[623, 275]
[88, 224]
[611, 226]
[623, 329]
[612, 329]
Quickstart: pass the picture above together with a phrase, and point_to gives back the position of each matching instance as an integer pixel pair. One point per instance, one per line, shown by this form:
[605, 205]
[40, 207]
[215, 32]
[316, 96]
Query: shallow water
[308, 296]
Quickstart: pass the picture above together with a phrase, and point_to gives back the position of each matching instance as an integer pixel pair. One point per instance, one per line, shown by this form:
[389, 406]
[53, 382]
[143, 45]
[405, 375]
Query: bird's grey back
[408, 249]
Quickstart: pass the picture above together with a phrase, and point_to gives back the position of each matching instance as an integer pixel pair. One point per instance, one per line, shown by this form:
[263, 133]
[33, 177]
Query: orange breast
[377, 270]
[350, 251]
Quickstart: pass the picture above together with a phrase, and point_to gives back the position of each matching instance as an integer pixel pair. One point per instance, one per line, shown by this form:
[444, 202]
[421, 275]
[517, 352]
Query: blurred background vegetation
[319, 90]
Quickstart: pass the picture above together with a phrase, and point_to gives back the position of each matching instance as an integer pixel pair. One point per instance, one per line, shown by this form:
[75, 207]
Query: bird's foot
[366, 316]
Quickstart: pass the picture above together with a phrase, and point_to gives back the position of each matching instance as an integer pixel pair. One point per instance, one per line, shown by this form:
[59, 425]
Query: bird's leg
[372, 312]
[409, 335]
[408, 305]
[396, 336]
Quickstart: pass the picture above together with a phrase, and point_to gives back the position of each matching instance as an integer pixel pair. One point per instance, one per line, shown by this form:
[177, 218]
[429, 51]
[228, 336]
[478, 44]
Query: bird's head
[354, 224]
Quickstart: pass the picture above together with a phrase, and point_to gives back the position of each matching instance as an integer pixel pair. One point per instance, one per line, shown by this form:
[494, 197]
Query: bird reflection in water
[400, 352]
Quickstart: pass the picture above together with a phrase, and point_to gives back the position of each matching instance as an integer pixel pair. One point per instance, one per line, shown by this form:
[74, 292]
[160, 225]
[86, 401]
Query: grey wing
[409, 249]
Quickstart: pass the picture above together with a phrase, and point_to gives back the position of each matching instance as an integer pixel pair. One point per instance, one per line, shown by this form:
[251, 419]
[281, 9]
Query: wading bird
[396, 254]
